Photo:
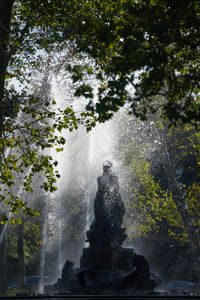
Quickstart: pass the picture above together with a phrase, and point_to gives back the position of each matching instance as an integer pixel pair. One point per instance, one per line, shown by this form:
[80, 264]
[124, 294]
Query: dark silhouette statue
[109, 210]
[67, 273]
[140, 277]
[108, 205]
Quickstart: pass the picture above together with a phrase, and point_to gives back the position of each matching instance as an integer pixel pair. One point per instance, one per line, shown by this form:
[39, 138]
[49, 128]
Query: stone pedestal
[107, 258]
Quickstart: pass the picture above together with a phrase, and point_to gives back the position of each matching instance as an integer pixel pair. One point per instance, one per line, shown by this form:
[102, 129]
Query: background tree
[155, 158]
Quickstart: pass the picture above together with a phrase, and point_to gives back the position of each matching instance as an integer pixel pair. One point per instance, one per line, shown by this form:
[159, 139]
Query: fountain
[106, 264]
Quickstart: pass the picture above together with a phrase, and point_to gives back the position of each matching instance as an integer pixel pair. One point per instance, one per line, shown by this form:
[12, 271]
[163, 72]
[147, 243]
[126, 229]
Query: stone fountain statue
[105, 263]
[109, 211]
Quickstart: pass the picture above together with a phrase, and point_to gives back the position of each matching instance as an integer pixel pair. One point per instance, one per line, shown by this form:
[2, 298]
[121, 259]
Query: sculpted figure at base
[140, 277]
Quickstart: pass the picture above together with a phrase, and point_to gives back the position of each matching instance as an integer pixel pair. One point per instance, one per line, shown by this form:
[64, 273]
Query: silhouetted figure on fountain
[139, 279]
[109, 211]
[66, 275]
[108, 205]
[106, 236]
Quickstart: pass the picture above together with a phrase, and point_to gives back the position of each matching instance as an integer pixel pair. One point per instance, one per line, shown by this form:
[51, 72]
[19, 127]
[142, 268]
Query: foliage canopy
[143, 49]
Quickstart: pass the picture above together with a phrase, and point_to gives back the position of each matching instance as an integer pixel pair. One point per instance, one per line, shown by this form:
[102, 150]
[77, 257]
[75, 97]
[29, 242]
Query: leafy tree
[143, 49]
[29, 30]
[22, 247]
[160, 198]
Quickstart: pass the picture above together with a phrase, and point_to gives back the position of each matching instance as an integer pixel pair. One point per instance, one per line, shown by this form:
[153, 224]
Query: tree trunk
[3, 281]
[5, 20]
[20, 251]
